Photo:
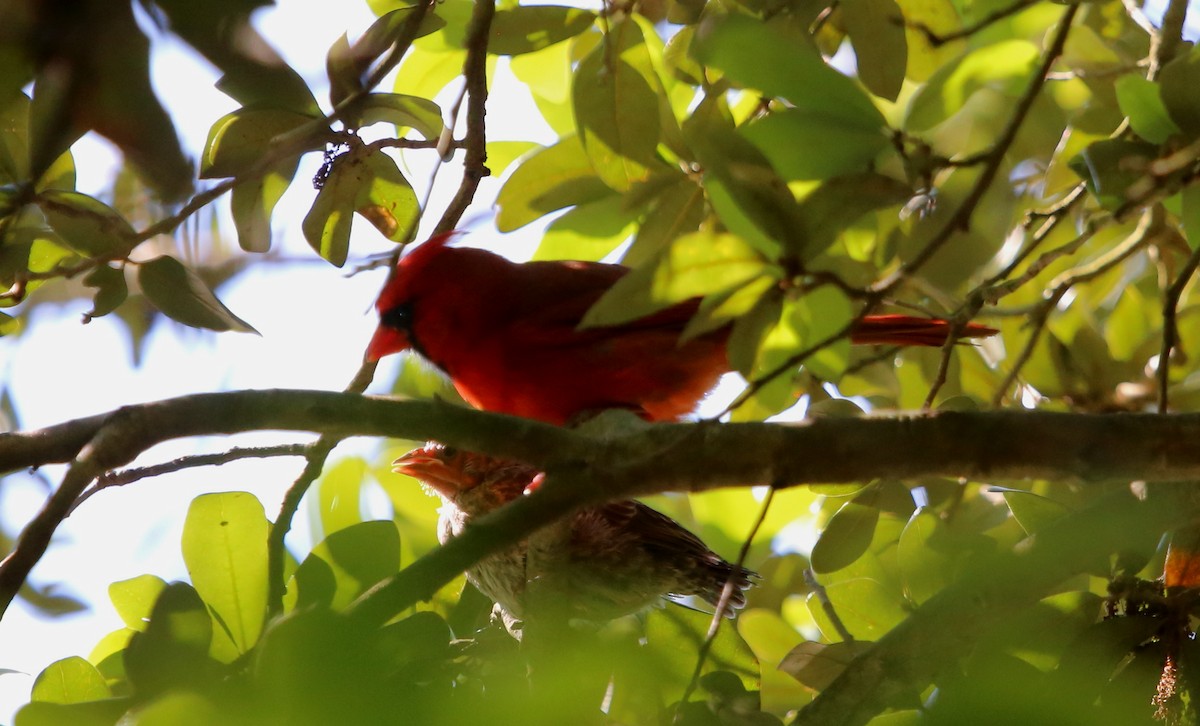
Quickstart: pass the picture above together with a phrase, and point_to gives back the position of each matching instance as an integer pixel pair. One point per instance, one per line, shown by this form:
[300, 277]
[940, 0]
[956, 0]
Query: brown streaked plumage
[620, 557]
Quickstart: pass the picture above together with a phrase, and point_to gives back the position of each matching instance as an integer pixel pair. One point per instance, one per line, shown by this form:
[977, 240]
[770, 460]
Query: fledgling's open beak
[429, 469]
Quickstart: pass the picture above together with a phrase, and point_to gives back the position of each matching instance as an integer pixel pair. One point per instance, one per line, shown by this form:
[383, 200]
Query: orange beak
[430, 470]
[385, 342]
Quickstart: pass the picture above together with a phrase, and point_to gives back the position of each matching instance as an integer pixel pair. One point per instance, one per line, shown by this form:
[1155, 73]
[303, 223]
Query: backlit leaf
[134, 599]
[225, 550]
[182, 296]
[1141, 103]
[1005, 67]
[238, 140]
[70, 680]
[616, 109]
[555, 177]
[782, 65]
[846, 537]
[876, 30]
[86, 224]
[530, 28]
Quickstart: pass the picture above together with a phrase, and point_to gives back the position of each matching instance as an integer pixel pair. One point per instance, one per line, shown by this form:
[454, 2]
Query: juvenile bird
[618, 558]
[507, 334]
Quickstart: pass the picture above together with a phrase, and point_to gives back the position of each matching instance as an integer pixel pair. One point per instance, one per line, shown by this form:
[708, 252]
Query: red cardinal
[617, 558]
[508, 335]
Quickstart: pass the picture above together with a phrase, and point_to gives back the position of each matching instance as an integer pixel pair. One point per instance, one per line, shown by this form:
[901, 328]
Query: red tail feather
[910, 330]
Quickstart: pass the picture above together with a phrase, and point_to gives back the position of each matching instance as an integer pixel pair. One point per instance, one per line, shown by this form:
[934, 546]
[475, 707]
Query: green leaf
[838, 203]
[702, 263]
[253, 201]
[173, 649]
[501, 154]
[1141, 103]
[339, 495]
[182, 296]
[388, 202]
[667, 629]
[101, 82]
[846, 537]
[348, 65]
[676, 211]
[93, 713]
[746, 192]
[9, 325]
[590, 231]
[784, 65]
[876, 30]
[30, 245]
[111, 290]
[1178, 82]
[370, 184]
[1111, 166]
[70, 680]
[807, 321]
[924, 58]
[360, 556]
[865, 606]
[134, 599]
[924, 567]
[405, 112]
[547, 73]
[1005, 67]
[530, 28]
[805, 145]
[616, 109]
[225, 550]
[86, 224]
[238, 141]
[817, 665]
[749, 331]
[180, 709]
[425, 72]
[1191, 214]
[254, 73]
[1033, 511]
[555, 177]
[719, 309]
[694, 265]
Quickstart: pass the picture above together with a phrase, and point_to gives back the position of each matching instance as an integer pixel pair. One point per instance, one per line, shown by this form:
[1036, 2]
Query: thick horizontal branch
[585, 468]
[682, 457]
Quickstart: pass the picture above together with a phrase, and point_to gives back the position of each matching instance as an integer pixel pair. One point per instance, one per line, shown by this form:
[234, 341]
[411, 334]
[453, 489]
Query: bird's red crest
[410, 267]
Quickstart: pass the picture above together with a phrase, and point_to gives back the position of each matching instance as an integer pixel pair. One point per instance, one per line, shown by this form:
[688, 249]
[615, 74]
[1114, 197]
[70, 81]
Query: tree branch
[475, 71]
[987, 446]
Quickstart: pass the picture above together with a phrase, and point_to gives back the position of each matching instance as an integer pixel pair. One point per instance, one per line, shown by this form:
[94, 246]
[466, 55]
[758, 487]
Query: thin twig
[962, 216]
[1147, 228]
[936, 39]
[1165, 43]
[128, 476]
[315, 455]
[474, 69]
[1170, 333]
[723, 601]
[475, 72]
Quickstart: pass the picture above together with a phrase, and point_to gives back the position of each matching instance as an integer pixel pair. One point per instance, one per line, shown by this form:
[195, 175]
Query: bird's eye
[449, 452]
[398, 317]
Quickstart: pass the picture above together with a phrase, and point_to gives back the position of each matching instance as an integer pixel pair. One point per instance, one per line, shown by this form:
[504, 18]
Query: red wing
[560, 294]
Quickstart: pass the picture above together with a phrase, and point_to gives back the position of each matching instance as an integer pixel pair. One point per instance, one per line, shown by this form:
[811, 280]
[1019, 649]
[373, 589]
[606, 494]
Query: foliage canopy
[797, 164]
